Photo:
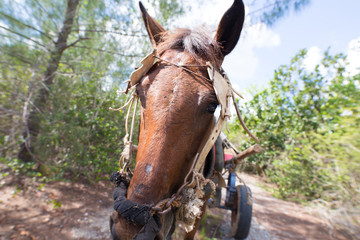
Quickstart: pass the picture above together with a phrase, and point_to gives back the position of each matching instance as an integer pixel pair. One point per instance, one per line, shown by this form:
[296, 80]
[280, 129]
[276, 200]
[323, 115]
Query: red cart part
[247, 153]
[228, 157]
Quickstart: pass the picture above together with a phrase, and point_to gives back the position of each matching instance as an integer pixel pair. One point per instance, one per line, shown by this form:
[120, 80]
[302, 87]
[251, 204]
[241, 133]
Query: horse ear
[153, 28]
[229, 29]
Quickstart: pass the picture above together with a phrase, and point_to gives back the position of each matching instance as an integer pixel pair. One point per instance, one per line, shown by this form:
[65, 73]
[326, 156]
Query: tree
[32, 123]
[55, 54]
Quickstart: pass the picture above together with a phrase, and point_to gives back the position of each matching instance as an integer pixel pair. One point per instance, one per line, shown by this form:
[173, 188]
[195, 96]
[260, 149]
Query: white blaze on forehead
[148, 169]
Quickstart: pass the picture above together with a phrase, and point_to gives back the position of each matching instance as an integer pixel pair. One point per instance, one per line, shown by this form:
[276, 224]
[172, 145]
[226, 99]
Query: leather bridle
[224, 93]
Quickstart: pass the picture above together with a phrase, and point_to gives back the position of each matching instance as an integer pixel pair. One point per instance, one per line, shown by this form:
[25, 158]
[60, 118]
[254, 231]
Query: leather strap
[223, 93]
[146, 64]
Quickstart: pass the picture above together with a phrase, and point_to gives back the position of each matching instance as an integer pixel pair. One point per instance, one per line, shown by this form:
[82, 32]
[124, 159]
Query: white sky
[261, 49]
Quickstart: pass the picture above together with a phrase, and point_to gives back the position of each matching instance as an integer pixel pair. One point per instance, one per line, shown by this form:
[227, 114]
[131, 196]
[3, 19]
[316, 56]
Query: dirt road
[64, 210]
[273, 219]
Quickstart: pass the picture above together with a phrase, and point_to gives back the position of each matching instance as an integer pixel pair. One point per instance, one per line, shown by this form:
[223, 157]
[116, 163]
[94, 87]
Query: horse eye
[212, 107]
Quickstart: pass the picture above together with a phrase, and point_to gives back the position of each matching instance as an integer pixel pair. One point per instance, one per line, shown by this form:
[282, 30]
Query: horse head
[177, 111]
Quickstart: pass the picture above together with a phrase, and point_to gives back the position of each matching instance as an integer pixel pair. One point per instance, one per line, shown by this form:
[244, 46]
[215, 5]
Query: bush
[308, 124]
[79, 134]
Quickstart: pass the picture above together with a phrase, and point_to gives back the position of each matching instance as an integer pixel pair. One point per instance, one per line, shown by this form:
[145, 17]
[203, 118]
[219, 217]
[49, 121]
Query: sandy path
[276, 219]
[28, 211]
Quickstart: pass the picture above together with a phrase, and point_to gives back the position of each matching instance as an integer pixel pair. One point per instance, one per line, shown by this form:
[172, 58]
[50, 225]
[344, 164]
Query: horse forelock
[197, 42]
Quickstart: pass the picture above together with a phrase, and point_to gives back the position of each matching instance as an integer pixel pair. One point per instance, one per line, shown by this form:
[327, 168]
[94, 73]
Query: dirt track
[29, 210]
[276, 219]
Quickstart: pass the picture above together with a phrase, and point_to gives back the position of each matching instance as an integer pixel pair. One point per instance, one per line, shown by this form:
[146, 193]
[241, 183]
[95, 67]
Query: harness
[194, 183]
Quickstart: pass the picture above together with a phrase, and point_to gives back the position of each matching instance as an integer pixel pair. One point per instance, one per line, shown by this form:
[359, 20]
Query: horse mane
[197, 42]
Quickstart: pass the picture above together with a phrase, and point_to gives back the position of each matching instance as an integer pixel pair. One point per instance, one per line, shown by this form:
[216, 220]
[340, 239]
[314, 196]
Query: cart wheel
[241, 214]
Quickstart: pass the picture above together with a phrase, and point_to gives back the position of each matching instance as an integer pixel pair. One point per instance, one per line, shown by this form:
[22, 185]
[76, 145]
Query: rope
[232, 169]
[126, 155]
[187, 200]
[124, 106]
[132, 211]
[133, 118]
[186, 68]
[242, 121]
[192, 200]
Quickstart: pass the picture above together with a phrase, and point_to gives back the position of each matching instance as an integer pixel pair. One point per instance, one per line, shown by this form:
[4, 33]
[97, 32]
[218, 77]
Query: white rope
[126, 155]
[125, 105]
[133, 118]
[127, 118]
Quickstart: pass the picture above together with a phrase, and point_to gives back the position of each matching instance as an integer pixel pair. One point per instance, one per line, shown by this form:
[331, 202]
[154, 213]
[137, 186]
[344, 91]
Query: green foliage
[78, 133]
[278, 9]
[56, 204]
[19, 167]
[16, 191]
[170, 8]
[271, 11]
[308, 124]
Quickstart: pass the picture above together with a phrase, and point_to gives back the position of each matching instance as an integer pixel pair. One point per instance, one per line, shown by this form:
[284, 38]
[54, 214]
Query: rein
[194, 179]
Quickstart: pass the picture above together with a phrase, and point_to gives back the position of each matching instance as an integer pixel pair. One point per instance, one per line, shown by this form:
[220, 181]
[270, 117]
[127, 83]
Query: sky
[262, 49]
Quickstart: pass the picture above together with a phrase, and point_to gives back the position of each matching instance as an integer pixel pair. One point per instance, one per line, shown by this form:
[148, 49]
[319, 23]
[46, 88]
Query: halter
[224, 93]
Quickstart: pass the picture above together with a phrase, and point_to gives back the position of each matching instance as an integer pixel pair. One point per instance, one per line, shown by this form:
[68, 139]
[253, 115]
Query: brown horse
[177, 111]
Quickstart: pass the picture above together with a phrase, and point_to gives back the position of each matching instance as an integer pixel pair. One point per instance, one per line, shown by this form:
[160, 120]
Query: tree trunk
[32, 123]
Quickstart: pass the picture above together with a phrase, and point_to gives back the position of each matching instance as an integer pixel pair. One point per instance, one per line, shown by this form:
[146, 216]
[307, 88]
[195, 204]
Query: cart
[238, 198]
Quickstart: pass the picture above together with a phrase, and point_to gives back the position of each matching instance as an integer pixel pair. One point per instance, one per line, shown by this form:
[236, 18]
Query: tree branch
[23, 36]
[80, 39]
[19, 57]
[31, 122]
[109, 31]
[109, 52]
[26, 25]
[49, 15]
